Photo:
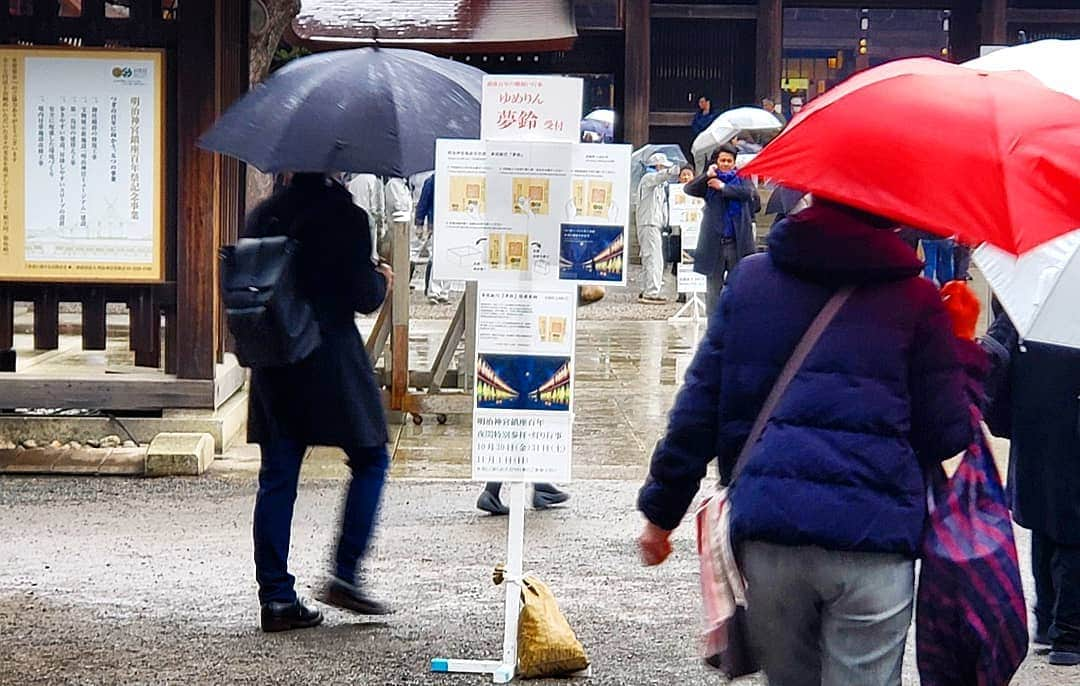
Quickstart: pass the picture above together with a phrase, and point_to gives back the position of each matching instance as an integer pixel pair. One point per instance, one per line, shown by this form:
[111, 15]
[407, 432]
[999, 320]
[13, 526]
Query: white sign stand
[503, 671]
[696, 307]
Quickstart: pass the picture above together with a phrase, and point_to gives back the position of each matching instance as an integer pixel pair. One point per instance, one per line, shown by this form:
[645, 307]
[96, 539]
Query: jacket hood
[827, 245]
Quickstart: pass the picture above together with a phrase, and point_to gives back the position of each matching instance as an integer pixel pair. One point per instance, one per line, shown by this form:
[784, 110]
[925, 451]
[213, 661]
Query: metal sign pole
[502, 671]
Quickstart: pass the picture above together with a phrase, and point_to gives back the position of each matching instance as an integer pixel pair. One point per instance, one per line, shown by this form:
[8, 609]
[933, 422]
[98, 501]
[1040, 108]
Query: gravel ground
[132, 581]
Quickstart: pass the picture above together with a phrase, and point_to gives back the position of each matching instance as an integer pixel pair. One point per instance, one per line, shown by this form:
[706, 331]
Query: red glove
[963, 308]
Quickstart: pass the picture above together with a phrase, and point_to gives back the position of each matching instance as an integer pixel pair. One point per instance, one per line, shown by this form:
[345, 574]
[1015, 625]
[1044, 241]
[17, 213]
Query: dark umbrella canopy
[369, 110]
[783, 200]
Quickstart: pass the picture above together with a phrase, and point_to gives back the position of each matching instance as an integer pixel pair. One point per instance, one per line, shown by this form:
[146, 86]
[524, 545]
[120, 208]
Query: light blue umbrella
[642, 155]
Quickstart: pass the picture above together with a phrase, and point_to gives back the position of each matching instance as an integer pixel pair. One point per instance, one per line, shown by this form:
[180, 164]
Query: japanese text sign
[82, 164]
[531, 108]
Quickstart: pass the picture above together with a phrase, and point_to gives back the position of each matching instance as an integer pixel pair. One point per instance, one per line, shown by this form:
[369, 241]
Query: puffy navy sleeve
[690, 442]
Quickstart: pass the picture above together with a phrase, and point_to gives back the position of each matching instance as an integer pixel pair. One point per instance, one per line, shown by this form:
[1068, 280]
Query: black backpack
[271, 321]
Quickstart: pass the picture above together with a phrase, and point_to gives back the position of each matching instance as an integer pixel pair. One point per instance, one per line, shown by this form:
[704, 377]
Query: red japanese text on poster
[531, 108]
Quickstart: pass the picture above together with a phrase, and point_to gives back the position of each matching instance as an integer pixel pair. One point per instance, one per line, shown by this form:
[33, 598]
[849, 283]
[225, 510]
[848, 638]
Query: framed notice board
[82, 164]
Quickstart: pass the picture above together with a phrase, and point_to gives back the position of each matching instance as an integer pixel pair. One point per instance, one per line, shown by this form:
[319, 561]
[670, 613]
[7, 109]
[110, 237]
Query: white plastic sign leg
[515, 549]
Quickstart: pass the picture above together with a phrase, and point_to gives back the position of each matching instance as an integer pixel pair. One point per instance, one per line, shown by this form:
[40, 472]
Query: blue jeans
[939, 260]
[826, 618]
[279, 476]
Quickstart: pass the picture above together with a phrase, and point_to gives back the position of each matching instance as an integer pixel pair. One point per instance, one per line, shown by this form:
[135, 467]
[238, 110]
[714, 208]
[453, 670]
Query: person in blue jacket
[828, 513]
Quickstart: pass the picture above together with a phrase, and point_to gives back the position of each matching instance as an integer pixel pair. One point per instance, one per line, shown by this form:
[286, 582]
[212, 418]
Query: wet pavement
[136, 581]
[112, 580]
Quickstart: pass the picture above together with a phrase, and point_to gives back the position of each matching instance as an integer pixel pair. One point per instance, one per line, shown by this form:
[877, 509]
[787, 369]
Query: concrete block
[128, 461]
[179, 454]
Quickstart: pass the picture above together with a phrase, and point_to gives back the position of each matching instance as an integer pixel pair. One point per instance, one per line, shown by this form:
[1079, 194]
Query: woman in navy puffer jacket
[828, 512]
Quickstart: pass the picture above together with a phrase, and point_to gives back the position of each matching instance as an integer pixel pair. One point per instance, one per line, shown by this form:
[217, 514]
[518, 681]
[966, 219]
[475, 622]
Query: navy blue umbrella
[368, 110]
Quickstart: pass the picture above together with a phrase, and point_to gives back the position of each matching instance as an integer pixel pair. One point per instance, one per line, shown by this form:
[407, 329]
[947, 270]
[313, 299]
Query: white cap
[658, 160]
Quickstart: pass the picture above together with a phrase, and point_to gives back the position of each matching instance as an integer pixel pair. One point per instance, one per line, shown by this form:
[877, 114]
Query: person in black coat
[727, 232]
[1036, 404]
[330, 398]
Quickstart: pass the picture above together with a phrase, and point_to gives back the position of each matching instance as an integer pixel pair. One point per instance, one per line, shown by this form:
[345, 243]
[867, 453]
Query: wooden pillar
[964, 35]
[196, 243]
[770, 48]
[46, 319]
[993, 22]
[7, 330]
[638, 72]
[399, 317]
[146, 328]
[232, 82]
[94, 324]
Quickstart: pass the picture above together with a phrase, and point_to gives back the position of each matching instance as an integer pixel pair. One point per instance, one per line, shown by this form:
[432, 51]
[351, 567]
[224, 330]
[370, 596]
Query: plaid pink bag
[723, 592]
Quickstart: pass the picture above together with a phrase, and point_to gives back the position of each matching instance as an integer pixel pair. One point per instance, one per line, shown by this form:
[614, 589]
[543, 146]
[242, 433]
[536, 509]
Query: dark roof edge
[439, 46]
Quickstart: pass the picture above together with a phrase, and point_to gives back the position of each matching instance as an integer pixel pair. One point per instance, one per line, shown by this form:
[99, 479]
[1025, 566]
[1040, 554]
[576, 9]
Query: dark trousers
[715, 282]
[1057, 591]
[961, 262]
[279, 476]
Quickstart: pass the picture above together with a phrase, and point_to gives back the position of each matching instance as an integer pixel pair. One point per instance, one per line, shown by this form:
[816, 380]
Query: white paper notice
[497, 209]
[531, 108]
[685, 212]
[90, 165]
[689, 281]
[523, 405]
[593, 232]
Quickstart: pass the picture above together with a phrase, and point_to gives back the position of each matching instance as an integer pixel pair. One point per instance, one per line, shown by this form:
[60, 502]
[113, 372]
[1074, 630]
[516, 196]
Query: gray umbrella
[641, 155]
[368, 110]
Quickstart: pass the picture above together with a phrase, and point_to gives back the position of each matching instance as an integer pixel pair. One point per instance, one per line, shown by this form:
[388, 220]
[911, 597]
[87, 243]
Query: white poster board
[592, 237]
[497, 209]
[530, 212]
[523, 403]
[685, 212]
[689, 281]
[531, 108]
[83, 164]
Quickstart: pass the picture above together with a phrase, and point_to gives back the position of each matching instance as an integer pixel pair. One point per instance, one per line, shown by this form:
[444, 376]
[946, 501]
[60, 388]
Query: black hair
[729, 149]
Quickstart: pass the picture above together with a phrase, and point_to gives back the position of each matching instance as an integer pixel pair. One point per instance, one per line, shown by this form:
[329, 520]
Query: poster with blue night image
[523, 382]
[589, 252]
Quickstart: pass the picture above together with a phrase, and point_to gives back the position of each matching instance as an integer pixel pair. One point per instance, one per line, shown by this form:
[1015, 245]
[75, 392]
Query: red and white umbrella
[1038, 289]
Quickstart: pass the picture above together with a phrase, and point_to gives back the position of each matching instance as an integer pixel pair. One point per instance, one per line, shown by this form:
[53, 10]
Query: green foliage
[285, 54]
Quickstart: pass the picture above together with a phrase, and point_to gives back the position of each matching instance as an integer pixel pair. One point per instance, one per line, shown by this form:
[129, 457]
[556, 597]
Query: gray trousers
[715, 282]
[652, 260]
[825, 618]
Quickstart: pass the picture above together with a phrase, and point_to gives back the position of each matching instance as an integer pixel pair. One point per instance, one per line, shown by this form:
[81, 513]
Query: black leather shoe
[491, 504]
[1064, 658]
[289, 616]
[352, 598]
[546, 495]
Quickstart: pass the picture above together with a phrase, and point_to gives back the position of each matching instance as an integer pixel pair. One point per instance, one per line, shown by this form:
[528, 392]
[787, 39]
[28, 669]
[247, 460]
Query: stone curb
[82, 461]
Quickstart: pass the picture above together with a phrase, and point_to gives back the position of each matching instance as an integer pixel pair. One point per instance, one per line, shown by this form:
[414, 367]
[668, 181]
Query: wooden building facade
[651, 59]
[176, 326]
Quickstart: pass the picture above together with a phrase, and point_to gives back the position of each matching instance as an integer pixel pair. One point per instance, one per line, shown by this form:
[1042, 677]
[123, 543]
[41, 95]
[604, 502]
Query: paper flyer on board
[592, 237]
[498, 207]
[527, 212]
[523, 403]
[686, 212]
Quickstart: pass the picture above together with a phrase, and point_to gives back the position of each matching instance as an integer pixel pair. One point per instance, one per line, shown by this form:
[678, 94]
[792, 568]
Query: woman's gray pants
[828, 618]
